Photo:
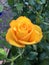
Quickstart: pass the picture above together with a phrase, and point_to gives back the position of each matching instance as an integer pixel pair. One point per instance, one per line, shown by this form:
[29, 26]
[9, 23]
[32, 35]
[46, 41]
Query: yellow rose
[23, 32]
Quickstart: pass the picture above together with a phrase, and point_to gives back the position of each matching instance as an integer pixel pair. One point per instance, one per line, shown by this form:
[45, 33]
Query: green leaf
[45, 62]
[39, 19]
[1, 7]
[6, 44]
[19, 6]
[22, 62]
[32, 55]
[32, 2]
[27, 63]
[38, 1]
[11, 3]
[44, 45]
[43, 56]
[1, 20]
[43, 1]
[3, 34]
[3, 54]
[47, 37]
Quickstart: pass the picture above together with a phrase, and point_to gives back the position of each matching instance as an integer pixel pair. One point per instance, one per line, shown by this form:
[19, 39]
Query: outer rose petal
[11, 40]
[23, 19]
[13, 23]
[37, 34]
[26, 43]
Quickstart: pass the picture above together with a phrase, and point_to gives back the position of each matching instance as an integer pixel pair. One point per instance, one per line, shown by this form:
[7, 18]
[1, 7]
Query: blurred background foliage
[38, 12]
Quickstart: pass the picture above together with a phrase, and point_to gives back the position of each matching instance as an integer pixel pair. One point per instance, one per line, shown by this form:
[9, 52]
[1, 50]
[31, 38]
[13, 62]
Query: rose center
[23, 26]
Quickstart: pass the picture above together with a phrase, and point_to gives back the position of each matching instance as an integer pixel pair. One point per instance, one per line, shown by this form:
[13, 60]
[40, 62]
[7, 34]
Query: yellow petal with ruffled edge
[11, 40]
[36, 34]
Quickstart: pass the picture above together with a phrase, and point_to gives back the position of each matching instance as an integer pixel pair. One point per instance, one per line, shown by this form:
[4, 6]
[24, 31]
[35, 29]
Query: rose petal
[11, 40]
[13, 23]
[37, 34]
[23, 19]
[26, 43]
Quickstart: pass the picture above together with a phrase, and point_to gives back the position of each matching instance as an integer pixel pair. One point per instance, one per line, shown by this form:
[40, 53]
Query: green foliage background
[38, 12]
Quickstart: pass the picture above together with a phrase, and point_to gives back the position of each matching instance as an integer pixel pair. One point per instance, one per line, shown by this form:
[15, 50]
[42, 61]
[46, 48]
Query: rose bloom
[23, 32]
